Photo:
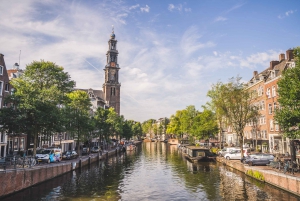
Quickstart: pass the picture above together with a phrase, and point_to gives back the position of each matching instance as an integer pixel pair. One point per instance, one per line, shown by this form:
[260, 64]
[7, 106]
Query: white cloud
[134, 6]
[286, 14]
[179, 7]
[171, 7]
[190, 41]
[145, 9]
[289, 12]
[220, 19]
[160, 73]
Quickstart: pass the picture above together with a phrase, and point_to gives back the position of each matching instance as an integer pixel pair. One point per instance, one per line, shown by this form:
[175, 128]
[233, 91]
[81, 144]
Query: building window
[276, 126]
[114, 91]
[262, 105]
[270, 109]
[6, 87]
[12, 91]
[16, 144]
[1, 70]
[262, 120]
[275, 106]
[268, 93]
[22, 143]
[271, 125]
[273, 91]
[2, 135]
[260, 91]
[1, 87]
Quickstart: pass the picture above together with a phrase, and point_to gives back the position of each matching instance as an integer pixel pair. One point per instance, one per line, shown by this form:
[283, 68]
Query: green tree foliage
[288, 116]
[235, 103]
[38, 92]
[147, 126]
[79, 106]
[204, 125]
[137, 130]
[191, 122]
[102, 125]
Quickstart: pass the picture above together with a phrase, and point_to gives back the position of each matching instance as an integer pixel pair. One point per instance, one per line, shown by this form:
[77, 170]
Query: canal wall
[286, 182]
[13, 180]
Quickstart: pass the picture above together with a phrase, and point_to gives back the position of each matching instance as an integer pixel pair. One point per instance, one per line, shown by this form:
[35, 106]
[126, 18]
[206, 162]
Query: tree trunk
[293, 150]
[35, 135]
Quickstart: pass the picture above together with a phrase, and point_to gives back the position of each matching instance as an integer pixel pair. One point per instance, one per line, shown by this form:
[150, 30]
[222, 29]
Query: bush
[256, 175]
[214, 150]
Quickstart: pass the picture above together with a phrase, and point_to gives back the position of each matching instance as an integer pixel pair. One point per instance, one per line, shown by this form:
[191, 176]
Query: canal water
[156, 171]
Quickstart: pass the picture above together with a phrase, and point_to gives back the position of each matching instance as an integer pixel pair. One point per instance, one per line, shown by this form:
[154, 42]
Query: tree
[235, 103]
[205, 125]
[101, 124]
[79, 105]
[38, 92]
[288, 115]
[137, 129]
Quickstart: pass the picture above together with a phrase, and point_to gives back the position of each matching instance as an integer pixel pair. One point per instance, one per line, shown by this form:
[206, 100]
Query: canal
[156, 171]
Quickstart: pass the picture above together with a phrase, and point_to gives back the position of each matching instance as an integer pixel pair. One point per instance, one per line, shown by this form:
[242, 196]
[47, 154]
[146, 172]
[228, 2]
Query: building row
[264, 133]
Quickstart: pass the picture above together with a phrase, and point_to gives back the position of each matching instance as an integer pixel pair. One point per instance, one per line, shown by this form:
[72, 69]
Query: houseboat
[199, 154]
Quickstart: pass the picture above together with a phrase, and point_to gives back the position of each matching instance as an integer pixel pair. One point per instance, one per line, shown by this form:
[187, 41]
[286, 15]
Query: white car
[234, 155]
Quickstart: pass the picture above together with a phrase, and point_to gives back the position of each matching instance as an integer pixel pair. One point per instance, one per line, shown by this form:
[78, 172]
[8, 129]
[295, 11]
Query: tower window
[114, 91]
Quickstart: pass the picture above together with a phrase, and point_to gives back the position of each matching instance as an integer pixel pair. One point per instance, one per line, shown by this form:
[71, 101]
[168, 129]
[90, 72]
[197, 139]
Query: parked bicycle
[290, 167]
[25, 162]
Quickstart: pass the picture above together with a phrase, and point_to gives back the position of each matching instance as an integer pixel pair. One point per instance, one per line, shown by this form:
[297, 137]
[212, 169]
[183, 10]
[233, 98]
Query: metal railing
[14, 162]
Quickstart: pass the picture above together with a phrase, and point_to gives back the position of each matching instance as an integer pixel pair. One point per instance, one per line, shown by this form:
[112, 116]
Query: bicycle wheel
[32, 162]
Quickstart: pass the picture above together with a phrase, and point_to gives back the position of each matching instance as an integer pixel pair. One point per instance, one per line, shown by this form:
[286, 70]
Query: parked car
[70, 155]
[48, 155]
[234, 155]
[95, 149]
[226, 150]
[258, 159]
[85, 151]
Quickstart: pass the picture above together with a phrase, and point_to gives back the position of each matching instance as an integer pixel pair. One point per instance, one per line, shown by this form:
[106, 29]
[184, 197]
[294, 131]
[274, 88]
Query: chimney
[290, 54]
[254, 73]
[273, 64]
[281, 57]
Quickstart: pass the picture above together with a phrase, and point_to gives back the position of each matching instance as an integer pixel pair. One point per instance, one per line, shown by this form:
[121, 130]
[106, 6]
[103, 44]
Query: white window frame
[271, 125]
[270, 108]
[273, 91]
[1, 70]
[268, 93]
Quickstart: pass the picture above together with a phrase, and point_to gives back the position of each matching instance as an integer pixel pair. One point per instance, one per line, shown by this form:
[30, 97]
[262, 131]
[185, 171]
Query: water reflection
[156, 171]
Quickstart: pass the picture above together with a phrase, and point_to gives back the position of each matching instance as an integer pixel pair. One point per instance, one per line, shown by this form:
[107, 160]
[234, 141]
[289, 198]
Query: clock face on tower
[112, 64]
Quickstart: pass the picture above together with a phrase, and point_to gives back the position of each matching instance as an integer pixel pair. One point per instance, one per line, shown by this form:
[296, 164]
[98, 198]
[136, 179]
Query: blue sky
[170, 52]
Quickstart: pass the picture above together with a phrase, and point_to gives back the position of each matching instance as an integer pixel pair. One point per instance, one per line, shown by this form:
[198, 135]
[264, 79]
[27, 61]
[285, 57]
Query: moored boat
[196, 154]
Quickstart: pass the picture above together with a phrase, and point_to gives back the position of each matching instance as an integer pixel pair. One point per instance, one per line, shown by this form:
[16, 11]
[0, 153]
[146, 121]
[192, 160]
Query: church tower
[111, 86]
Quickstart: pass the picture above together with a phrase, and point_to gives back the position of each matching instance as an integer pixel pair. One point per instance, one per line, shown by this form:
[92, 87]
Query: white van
[43, 155]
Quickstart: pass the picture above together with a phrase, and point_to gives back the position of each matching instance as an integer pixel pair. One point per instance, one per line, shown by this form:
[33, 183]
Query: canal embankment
[14, 180]
[288, 182]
